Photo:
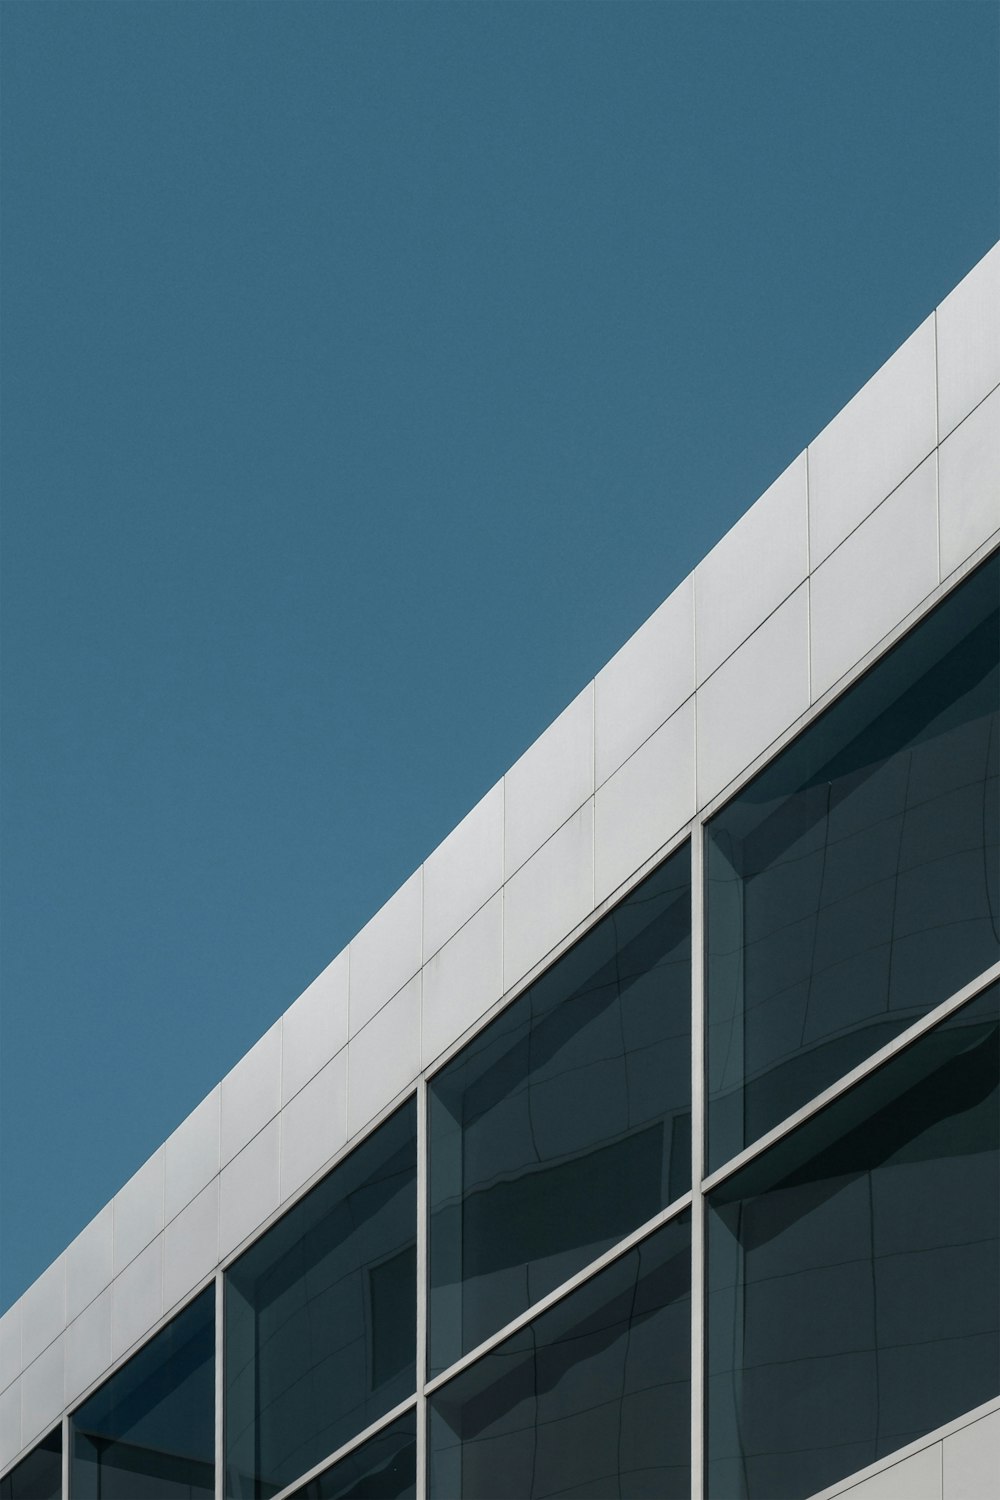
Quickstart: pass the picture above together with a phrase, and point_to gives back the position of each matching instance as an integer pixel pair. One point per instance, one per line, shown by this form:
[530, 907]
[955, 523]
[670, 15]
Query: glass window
[149, 1432]
[384, 1468]
[566, 1123]
[321, 1316]
[855, 883]
[592, 1399]
[854, 1272]
[39, 1475]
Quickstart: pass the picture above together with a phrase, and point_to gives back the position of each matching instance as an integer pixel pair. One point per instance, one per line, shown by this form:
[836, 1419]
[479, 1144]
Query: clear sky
[370, 372]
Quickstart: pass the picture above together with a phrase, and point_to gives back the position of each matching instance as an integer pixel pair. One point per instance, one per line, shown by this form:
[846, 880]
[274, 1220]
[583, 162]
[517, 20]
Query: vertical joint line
[937, 445]
[64, 1472]
[809, 611]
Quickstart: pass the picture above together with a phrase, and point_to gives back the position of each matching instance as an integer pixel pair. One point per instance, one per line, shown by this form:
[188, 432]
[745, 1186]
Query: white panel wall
[720, 672]
[550, 781]
[753, 569]
[968, 337]
[90, 1262]
[386, 953]
[314, 1029]
[969, 484]
[873, 444]
[645, 682]
[960, 1461]
[464, 872]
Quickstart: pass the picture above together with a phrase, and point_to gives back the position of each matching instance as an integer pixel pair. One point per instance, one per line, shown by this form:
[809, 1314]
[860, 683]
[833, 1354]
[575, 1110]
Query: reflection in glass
[149, 1432]
[39, 1474]
[321, 1316]
[592, 1399]
[853, 884]
[566, 1123]
[384, 1468]
[854, 1273]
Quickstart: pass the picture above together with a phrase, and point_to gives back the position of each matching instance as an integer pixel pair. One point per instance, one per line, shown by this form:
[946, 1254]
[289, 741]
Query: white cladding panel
[462, 980]
[754, 696]
[43, 1311]
[88, 1346]
[753, 569]
[969, 484]
[464, 871]
[10, 1345]
[137, 1298]
[855, 599]
[251, 1093]
[384, 1057]
[549, 782]
[968, 336]
[191, 1245]
[960, 1461]
[314, 1029]
[645, 802]
[645, 682]
[549, 895]
[249, 1189]
[90, 1262]
[971, 1460]
[43, 1390]
[871, 446]
[386, 953]
[313, 1125]
[193, 1154]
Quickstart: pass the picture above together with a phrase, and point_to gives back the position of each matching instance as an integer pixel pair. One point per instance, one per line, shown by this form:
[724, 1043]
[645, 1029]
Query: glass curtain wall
[321, 1316]
[855, 883]
[589, 1400]
[39, 1475]
[854, 1272]
[566, 1123]
[383, 1468]
[149, 1432]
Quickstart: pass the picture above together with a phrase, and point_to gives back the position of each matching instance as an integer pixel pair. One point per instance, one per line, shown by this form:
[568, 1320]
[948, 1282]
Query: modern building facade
[645, 1143]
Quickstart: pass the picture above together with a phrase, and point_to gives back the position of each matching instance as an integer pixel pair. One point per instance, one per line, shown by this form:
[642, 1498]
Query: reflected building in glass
[645, 1144]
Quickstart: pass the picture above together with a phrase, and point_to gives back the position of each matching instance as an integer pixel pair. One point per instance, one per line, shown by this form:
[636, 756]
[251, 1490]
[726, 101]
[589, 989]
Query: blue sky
[370, 372]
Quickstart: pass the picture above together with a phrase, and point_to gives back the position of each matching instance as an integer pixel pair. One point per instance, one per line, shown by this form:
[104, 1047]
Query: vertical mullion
[64, 1477]
[220, 1387]
[422, 1259]
[697, 1160]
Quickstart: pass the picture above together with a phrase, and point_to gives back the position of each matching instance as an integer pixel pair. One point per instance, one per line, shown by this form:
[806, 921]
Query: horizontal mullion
[672, 1211]
[348, 1448]
[863, 1070]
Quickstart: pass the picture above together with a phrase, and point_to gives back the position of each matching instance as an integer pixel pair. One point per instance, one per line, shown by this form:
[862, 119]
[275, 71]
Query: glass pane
[39, 1475]
[321, 1316]
[854, 1272]
[855, 883]
[384, 1468]
[149, 1432]
[592, 1399]
[566, 1123]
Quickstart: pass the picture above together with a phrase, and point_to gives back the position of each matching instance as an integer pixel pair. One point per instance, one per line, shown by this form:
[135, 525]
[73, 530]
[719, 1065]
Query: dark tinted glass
[321, 1316]
[384, 1468]
[39, 1475]
[854, 883]
[566, 1123]
[592, 1399]
[854, 1272]
[149, 1432]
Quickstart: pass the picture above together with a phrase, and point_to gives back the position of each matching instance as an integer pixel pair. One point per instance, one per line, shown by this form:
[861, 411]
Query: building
[673, 1069]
